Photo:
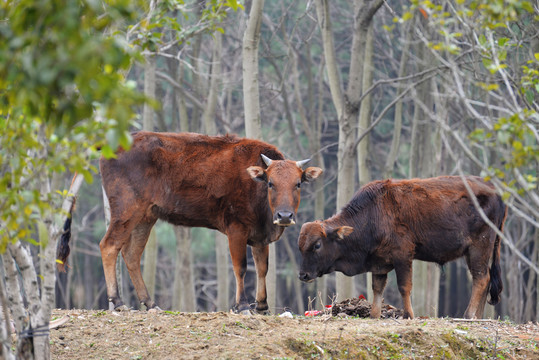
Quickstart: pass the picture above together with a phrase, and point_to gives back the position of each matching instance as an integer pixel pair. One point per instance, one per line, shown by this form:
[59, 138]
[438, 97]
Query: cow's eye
[298, 185]
[270, 184]
[317, 246]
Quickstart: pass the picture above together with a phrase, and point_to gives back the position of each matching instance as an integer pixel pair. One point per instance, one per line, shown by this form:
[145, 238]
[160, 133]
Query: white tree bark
[32, 323]
[347, 105]
[251, 97]
[221, 245]
[184, 297]
[150, 251]
[253, 125]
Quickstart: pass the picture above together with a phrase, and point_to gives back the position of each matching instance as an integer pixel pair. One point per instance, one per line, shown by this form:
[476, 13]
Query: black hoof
[243, 309]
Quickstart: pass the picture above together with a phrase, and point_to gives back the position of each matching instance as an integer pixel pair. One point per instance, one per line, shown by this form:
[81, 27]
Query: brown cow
[196, 180]
[389, 223]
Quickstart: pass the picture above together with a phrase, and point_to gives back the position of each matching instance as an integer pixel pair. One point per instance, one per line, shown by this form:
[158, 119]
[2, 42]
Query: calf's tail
[62, 251]
[496, 284]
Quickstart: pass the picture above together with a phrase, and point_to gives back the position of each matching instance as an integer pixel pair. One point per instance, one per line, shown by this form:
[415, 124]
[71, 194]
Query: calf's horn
[302, 162]
[266, 159]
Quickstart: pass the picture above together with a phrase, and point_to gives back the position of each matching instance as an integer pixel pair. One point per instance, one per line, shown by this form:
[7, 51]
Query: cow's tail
[496, 284]
[62, 251]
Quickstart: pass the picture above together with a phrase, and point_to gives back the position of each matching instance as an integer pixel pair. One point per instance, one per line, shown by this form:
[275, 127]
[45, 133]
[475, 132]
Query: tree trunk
[397, 119]
[223, 261]
[253, 126]
[364, 121]
[320, 198]
[221, 245]
[425, 144]
[347, 107]
[208, 117]
[184, 298]
[251, 97]
[150, 251]
[17, 262]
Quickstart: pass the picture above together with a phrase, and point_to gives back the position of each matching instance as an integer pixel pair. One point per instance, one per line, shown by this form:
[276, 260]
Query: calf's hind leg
[132, 254]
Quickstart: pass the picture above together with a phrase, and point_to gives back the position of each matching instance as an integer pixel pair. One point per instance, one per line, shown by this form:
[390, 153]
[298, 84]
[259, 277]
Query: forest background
[367, 89]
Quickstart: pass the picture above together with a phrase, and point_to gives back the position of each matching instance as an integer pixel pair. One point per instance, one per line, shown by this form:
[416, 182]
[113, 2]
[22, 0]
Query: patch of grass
[305, 349]
[242, 325]
[462, 348]
[172, 312]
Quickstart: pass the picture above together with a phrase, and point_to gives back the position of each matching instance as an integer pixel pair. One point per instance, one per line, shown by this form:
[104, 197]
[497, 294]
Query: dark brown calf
[196, 180]
[389, 223]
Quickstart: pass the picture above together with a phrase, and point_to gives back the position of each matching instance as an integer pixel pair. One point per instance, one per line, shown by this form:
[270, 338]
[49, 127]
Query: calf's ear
[343, 231]
[311, 173]
[257, 173]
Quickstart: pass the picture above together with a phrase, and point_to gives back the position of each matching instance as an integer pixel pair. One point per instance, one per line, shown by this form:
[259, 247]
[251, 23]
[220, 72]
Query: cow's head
[320, 250]
[283, 179]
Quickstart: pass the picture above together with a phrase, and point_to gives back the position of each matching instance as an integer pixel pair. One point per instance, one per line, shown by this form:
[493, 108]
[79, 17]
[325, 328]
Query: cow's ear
[257, 173]
[311, 173]
[343, 231]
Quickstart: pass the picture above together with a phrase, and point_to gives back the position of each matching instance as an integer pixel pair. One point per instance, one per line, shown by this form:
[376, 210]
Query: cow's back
[434, 219]
[440, 215]
[189, 179]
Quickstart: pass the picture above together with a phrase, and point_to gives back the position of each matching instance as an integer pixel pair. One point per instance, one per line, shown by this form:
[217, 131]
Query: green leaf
[43, 233]
[502, 41]
[530, 95]
[503, 137]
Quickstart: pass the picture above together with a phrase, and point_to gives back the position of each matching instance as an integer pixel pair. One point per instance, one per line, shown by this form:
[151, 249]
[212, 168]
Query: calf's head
[320, 250]
[283, 179]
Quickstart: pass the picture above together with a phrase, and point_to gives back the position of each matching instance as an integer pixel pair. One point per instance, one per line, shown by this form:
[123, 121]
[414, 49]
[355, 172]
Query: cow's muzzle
[284, 218]
[306, 277]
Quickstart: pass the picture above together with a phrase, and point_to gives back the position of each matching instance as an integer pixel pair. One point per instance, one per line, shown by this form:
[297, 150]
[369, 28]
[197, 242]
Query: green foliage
[170, 22]
[494, 32]
[62, 96]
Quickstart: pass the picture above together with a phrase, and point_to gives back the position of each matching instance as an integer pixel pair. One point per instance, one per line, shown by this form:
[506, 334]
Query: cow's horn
[302, 162]
[266, 159]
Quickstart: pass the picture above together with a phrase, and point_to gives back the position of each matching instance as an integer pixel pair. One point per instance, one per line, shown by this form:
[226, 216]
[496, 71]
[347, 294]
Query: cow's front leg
[260, 255]
[237, 243]
[378, 285]
[404, 281]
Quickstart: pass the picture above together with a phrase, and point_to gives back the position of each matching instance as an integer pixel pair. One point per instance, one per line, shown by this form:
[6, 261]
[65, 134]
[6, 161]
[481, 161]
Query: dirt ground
[339, 333]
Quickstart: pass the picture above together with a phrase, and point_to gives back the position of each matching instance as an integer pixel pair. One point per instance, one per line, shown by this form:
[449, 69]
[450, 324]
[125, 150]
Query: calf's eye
[317, 246]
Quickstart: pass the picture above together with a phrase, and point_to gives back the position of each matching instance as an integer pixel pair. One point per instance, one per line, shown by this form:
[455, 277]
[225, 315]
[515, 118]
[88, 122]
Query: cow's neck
[265, 231]
[355, 247]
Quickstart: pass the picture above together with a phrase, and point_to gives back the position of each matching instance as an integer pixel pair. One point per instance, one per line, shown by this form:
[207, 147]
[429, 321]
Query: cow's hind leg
[132, 254]
[378, 285]
[477, 259]
[260, 255]
[237, 243]
[117, 235]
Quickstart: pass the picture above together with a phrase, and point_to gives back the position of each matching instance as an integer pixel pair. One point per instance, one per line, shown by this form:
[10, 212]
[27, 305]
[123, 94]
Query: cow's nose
[303, 276]
[285, 217]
